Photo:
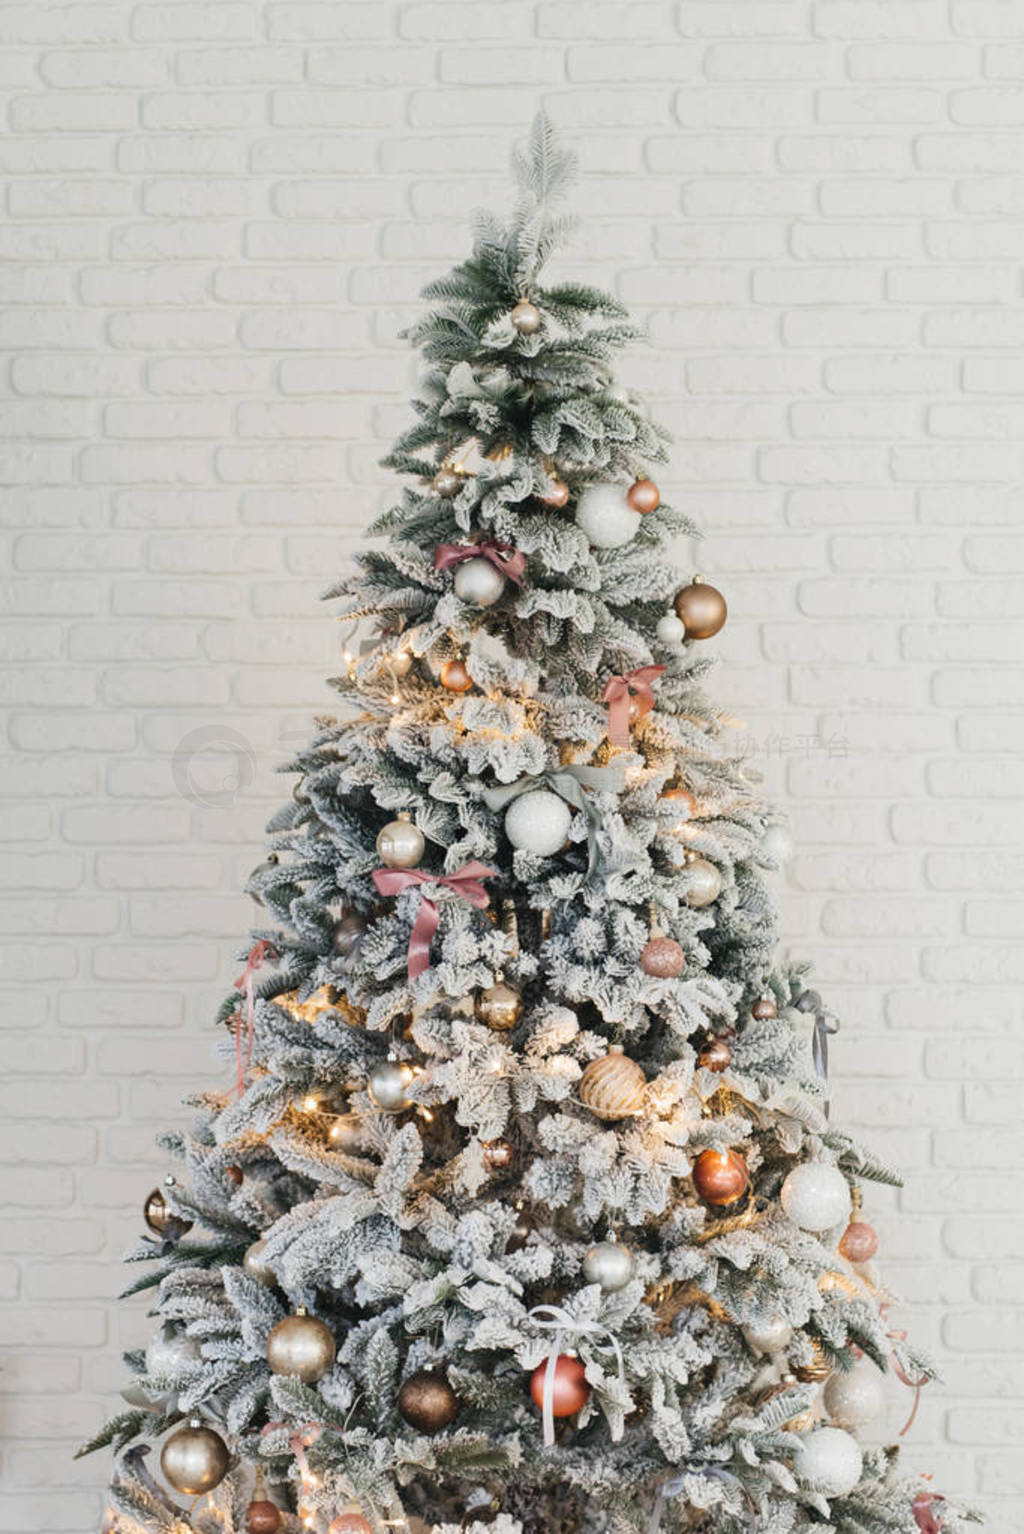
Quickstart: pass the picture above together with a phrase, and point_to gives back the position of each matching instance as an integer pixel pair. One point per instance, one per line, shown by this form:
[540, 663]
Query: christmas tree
[524, 1210]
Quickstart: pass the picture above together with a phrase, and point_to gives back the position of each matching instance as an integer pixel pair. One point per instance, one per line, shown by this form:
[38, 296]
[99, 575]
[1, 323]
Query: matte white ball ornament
[831, 1460]
[538, 821]
[777, 844]
[171, 1354]
[856, 1398]
[816, 1196]
[604, 514]
[671, 630]
[477, 581]
[769, 1336]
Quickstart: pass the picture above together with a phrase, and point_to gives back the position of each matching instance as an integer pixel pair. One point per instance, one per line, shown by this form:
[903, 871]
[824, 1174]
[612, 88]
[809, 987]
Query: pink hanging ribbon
[620, 692]
[925, 1516]
[465, 882]
[243, 1057]
[299, 1441]
[904, 1378]
[505, 559]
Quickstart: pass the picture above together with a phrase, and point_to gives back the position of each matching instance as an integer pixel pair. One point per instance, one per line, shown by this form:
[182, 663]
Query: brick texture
[217, 216]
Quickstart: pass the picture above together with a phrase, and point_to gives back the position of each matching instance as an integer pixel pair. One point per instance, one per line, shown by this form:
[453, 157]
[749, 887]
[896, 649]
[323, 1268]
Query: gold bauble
[194, 1459]
[613, 1086]
[160, 1219]
[500, 1006]
[526, 317]
[455, 677]
[400, 843]
[303, 1346]
[701, 608]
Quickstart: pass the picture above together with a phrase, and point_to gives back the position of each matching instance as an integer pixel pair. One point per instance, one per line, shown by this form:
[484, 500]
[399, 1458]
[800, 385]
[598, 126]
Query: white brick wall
[217, 216]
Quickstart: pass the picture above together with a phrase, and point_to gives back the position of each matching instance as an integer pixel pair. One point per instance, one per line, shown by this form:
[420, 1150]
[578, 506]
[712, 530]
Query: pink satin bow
[901, 1374]
[620, 692]
[925, 1516]
[505, 559]
[465, 882]
[243, 1058]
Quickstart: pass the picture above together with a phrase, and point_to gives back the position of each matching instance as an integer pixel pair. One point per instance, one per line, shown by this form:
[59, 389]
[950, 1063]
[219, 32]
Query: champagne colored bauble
[400, 844]
[677, 794]
[254, 1264]
[704, 883]
[701, 608]
[171, 1354]
[446, 482]
[498, 1155]
[763, 1008]
[160, 1219]
[500, 1006]
[859, 1242]
[455, 677]
[427, 1401]
[830, 1460]
[538, 821]
[670, 629]
[350, 1523]
[526, 317]
[570, 1392]
[556, 495]
[771, 1336]
[477, 581]
[663, 958]
[604, 514]
[346, 1133]
[715, 1056]
[303, 1346]
[857, 1398]
[609, 1264]
[263, 1517]
[720, 1177]
[399, 664]
[644, 496]
[613, 1087]
[388, 1085]
[816, 1196]
[194, 1459]
[347, 933]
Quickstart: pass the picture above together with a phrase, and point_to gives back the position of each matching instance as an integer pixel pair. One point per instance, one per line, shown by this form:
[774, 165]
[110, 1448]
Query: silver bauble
[388, 1085]
[670, 630]
[346, 1133]
[771, 1336]
[347, 932]
[255, 1266]
[477, 581]
[171, 1354]
[610, 1265]
[400, 843]
[538, 821]
[604, 514]
[526, 317]
[194, 1459]
[703, 883]
[303, 1346]
[816, 1196]
[856, 1398]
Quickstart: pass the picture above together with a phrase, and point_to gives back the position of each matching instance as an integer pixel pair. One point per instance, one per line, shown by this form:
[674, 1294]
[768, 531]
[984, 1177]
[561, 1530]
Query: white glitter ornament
[670, 629]
[538, 821]
[816, 1196]
[607, 518]
[830, 1460]
[171, 1354]
[777, 844]
[856, 1398]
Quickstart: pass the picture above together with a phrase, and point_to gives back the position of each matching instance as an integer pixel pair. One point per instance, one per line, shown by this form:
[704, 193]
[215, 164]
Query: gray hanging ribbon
[677, 1483]
[569, 784]
[825, 1024]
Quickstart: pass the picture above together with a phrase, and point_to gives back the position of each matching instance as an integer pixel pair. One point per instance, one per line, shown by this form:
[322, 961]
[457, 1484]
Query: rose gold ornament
[701, 608]
[556, 495]
[716, 1056]
[859, 1241]
[644, 496]
[613, 1086]
[350, 1523]
[570, 1392]
[263, 1517]
[764, 1007]
[455, 677]
[498, 1155]
[234, 1174]
[678, 794]
[663, 958]
[720, 1177]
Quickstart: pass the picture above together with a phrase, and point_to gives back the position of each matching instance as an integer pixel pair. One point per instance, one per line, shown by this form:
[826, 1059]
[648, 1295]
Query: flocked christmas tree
[526, 1212]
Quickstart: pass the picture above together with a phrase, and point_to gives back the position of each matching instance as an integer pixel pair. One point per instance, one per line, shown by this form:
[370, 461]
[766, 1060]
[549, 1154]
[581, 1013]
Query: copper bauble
[859, 1241]
[350, 1522]
[701, 608]
[720, 1177]
[556, 495]
[347, 933]
[427, 1401]
[763, 1008]
[500, 1006]
[644, 496]
[613, 1086]
[663, 958]
[715, 1056]
[570, 1391]
[400, 844]
[816, 1369]
[498, 1155]
[520, 1232]
[160, 1219]
[234, 1174]
[455, 677]
[680, 795]
[263, 1517]
[194, 1459]
[526, 317]
[303, 1346]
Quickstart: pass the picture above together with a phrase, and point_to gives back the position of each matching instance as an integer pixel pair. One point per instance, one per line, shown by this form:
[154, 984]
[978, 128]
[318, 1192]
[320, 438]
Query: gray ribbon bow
[569, 784]
[677, 1483]
[825, 1024]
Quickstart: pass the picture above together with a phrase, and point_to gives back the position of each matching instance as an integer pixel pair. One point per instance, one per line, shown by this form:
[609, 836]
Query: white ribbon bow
[551, 1318]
